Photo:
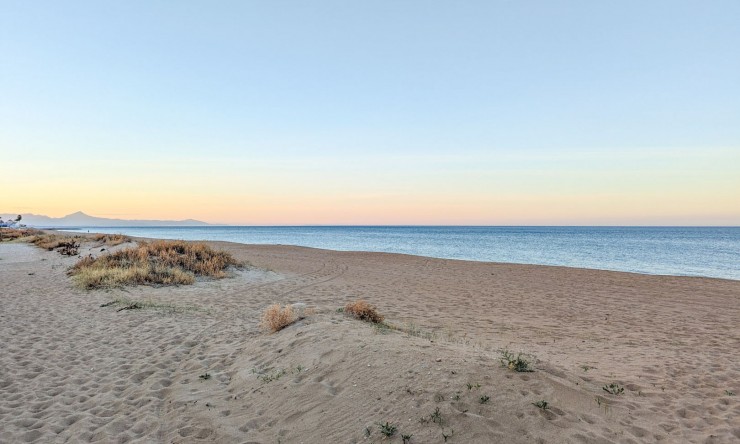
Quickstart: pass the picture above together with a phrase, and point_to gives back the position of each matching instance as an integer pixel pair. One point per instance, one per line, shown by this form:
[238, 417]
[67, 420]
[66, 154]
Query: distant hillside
[80, 219]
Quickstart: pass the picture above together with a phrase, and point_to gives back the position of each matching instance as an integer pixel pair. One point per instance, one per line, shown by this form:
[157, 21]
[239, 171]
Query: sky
[383, 112]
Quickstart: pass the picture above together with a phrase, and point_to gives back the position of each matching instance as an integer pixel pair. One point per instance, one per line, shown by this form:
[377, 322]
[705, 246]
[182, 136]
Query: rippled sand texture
[72, 371]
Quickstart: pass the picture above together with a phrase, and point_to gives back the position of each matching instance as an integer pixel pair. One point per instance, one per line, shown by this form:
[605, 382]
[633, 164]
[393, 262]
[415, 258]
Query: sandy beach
[193, 365]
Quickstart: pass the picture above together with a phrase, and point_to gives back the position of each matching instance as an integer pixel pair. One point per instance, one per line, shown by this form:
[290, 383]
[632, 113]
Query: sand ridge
[73, 371]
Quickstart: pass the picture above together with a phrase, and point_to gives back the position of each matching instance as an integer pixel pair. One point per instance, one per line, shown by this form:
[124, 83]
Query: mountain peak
[77, 213]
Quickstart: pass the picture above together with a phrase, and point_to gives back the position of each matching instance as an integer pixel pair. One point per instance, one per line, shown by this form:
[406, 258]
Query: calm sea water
[688, 251]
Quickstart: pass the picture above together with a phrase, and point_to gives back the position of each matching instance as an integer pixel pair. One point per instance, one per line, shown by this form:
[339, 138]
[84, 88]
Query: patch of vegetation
[388, 429]
[11, 234]
[382, 328]
[65, 245]
[541, 405]
[363, 311]
[111, 239]
[613, 388]
[484, 399]
[269, 377]
[205, 376]
[729, 393]
[518, 363]
[412, 329]
[277, 317]
[162, 262]
[587, 368]
[406, 438]
[472, 386]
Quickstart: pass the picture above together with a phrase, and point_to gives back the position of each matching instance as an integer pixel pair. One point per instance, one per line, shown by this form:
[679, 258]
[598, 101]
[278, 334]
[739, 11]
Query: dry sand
[72, 371]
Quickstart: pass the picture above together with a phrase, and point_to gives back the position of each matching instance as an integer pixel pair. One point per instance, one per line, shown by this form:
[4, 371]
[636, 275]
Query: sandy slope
[73, 371]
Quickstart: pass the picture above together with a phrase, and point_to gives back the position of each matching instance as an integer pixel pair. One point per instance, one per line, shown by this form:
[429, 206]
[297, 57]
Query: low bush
[53, 241]
[277, 317]
[152, 263]
[363, 311]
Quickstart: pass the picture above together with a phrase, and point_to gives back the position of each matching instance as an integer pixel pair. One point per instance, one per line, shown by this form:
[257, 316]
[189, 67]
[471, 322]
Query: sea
[681, 251]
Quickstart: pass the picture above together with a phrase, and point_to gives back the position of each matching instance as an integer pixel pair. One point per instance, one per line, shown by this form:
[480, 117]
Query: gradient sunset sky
[377, 112]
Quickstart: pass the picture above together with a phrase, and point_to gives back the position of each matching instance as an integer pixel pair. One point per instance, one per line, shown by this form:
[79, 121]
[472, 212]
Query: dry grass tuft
[9, 234]
[152, 263]
[111, 239]
[276, 317]
[364, 311]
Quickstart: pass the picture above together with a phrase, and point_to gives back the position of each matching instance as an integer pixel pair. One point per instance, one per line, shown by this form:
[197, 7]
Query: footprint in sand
[328, 386]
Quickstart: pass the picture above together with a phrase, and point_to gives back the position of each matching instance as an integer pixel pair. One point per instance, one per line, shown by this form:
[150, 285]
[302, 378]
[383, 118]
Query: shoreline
[668, 341]
[430, 257]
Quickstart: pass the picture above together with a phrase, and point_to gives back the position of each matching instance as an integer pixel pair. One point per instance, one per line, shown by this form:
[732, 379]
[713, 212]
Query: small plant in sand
[613, 388]
[387, 429]
[205, 376]
[269, 377]
[363, 311]
[541, 405]
[276, 317]
[517, 363]
[729, 393]
[436, 416]
[484, 399]
[406, 438]
[161, 262]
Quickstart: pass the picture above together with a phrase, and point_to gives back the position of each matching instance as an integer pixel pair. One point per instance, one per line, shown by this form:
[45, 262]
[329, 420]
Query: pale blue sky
[393, 99]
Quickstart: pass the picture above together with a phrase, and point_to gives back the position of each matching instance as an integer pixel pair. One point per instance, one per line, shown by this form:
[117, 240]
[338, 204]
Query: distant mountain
[80, 219]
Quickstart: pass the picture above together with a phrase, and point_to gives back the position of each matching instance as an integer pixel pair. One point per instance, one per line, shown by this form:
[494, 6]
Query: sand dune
[195, 367]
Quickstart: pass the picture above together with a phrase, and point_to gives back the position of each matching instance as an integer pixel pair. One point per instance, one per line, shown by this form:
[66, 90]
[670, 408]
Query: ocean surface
[683, 251]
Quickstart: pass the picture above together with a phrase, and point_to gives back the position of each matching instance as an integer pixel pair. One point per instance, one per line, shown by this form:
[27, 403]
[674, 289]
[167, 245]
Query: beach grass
[161, 262]
[65, 245]
[10, 234]
[111, 239]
